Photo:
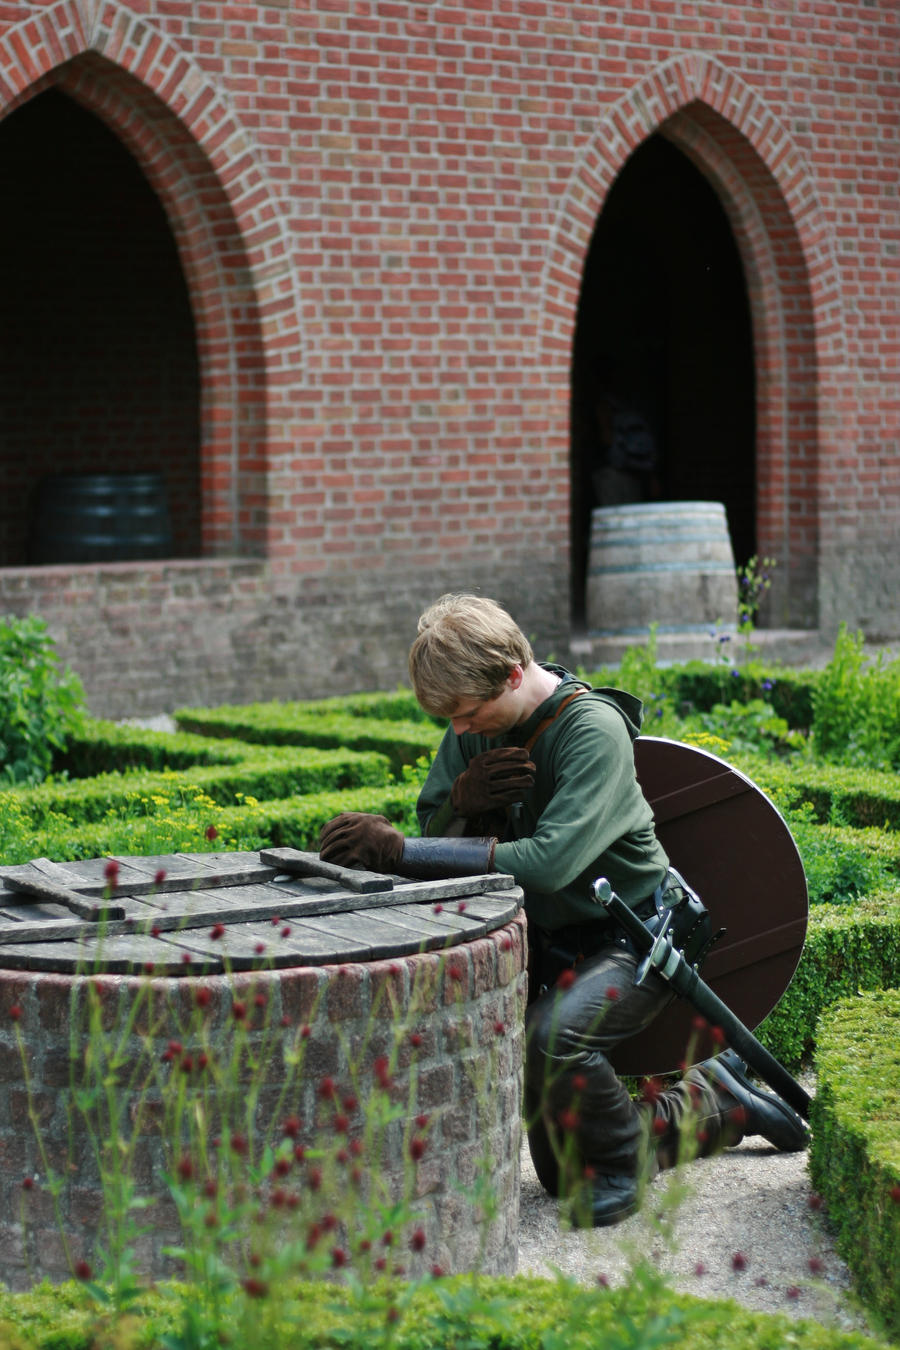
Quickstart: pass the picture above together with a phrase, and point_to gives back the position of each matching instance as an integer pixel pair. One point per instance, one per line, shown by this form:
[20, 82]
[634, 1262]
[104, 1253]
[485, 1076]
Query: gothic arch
[225, 221]
[732, 137]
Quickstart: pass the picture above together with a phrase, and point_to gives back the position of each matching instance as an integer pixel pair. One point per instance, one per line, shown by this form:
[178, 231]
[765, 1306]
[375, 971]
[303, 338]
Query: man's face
[492, 716]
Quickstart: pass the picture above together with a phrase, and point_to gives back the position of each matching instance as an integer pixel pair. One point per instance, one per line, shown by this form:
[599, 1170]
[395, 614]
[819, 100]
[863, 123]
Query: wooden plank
[294, 861]
[28, 881]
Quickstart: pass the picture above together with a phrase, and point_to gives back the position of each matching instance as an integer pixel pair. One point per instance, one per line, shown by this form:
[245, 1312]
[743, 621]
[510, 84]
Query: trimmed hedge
[288, 822]
[855, 1152]
[478, 1313]
[113, 747]
[857, 797]
[262, 773]
[848, 948]
[697, 686]
[403, 742]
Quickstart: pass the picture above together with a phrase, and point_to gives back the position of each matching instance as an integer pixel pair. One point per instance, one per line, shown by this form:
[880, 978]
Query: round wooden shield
[732, 845]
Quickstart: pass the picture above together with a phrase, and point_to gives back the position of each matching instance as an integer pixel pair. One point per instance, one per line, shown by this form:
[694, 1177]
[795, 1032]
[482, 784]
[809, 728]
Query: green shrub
[299, 724]
[855, 1152]
[98, 747]
[858, 797]
[262, 772]
[848, 948]
[40, 701]
[856, 706]
[457, 1313]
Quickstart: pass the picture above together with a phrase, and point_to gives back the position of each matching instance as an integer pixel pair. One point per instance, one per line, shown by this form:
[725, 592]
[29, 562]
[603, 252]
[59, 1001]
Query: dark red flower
[83, 1270]
[217, 930]
[417, 1241]
[416, 1148]
[211, 833]
[253, 1286]
[326, 1088]
[160, 877]
[203, 997]
[185, 1168]
[738, 1261]
[239, 1010]
[291, 1127]
[15, 1013]
[566, 979]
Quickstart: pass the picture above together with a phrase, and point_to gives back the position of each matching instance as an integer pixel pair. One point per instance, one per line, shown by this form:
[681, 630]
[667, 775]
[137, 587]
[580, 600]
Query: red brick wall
[382, 212]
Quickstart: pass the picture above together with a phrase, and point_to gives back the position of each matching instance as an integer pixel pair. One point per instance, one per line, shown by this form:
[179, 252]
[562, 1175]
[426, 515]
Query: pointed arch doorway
[664, 323]
[100, 367]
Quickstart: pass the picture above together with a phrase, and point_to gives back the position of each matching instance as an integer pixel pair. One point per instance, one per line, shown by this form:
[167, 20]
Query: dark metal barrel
[101, 517]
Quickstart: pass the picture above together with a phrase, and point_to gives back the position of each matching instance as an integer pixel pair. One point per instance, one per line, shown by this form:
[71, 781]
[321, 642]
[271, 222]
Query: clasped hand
[493, 779]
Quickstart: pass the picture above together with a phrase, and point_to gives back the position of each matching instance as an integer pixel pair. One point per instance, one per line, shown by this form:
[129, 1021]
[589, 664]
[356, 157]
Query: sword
[660, 954]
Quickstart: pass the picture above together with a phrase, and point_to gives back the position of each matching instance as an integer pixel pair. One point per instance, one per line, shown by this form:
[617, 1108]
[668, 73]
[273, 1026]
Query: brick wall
[382, 213]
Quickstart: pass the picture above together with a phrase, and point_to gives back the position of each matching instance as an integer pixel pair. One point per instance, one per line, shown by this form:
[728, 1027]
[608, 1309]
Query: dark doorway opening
[98, 359]
[663, 325]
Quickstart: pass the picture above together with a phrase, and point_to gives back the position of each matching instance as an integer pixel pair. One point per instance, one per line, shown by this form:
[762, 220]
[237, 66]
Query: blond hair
[465, 651]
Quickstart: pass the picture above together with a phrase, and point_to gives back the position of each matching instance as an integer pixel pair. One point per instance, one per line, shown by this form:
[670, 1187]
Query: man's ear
[515, 677]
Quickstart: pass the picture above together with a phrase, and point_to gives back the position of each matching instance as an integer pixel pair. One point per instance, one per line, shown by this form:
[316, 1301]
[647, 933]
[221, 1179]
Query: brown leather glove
[494, 778]
[354, 839]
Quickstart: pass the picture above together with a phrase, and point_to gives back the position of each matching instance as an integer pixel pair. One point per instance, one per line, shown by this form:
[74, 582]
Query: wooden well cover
[731, 844]
[203, 913]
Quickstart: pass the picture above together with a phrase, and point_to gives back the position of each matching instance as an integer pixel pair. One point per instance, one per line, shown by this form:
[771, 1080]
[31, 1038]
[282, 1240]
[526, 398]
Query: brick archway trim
[225, 220]
[735, 140]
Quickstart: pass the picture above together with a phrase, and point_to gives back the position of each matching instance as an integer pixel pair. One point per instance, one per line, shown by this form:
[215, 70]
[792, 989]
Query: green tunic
[585, 817]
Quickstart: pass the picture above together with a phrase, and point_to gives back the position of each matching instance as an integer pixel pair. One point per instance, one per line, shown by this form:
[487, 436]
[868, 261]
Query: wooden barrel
[101, 517]
[664, 563]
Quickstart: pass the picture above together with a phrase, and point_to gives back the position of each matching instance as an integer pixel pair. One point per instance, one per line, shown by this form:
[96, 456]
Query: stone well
[424, 1017]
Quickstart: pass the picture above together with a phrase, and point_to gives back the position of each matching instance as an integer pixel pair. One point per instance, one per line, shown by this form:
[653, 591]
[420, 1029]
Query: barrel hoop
[694, 565]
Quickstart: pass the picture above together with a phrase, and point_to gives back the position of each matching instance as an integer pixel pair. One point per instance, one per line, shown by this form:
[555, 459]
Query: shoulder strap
[545, 721]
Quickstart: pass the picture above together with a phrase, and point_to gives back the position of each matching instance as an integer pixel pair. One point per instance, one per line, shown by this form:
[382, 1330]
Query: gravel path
[747, 1226]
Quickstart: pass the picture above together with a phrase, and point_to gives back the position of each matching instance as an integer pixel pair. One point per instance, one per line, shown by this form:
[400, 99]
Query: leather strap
[545, 721]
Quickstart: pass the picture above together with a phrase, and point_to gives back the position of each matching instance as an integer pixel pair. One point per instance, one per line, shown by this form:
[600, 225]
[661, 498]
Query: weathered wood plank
[294, 861]
[27, 881]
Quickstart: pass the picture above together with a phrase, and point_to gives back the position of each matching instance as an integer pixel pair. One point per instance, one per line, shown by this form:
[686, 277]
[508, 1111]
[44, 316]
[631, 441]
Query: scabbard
[684, 978]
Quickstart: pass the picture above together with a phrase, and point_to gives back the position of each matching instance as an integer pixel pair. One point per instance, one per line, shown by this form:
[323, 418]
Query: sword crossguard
[656, 956]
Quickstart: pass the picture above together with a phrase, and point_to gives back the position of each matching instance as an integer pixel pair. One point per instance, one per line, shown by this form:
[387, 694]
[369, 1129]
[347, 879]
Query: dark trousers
[580, 1117]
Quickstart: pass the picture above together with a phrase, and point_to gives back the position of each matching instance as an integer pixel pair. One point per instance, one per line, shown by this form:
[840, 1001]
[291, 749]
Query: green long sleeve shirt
[585, 816]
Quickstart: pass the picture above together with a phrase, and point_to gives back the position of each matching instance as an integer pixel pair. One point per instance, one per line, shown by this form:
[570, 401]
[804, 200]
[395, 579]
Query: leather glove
[494, 778]
[355, 839]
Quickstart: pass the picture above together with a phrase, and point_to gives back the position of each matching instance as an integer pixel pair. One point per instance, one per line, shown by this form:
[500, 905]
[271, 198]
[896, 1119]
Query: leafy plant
[856, 706]
[40, 701]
